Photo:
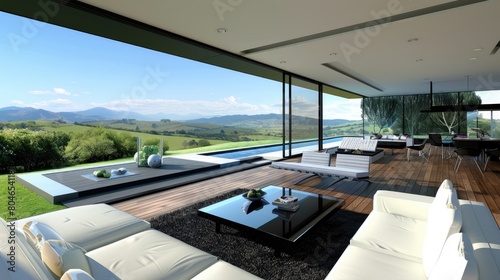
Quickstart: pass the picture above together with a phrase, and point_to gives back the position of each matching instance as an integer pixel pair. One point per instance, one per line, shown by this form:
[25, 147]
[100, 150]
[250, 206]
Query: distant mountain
[260, 120]
[101, 114]
[27, 113]
[95, 114]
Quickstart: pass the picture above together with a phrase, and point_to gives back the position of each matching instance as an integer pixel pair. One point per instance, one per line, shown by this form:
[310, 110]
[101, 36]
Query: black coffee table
[262, 216]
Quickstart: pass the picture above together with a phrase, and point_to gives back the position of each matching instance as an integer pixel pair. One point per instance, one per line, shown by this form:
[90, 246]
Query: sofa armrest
[404, 204]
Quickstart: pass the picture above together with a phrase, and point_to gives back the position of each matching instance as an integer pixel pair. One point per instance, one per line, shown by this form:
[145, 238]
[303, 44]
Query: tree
[380, 111]
[32, 150]
[203, 143]
[100, 144]
[413, 117]
[451, 118]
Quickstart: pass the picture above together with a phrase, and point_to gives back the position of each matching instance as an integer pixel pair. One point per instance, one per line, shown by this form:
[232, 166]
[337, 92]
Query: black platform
[74, 187]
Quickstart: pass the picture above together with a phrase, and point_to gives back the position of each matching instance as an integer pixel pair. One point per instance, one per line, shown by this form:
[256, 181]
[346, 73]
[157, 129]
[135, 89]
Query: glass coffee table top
[263, 216]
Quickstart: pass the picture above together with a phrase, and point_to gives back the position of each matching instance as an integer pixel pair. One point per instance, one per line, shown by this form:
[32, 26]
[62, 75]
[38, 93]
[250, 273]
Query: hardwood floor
[392, 172]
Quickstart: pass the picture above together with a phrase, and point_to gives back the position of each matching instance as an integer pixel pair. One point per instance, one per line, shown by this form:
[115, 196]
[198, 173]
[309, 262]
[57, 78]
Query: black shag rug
[312, 257]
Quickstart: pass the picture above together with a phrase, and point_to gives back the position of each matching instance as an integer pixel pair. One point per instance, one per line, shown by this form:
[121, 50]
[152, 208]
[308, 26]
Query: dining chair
[489, 154]
[470, 149]
[417, 145]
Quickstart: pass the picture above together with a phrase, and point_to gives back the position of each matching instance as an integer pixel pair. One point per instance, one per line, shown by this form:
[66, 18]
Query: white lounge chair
[315, 163]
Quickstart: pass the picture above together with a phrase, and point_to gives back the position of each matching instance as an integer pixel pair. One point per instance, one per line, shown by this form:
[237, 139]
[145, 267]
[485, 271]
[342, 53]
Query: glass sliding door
[301, 115]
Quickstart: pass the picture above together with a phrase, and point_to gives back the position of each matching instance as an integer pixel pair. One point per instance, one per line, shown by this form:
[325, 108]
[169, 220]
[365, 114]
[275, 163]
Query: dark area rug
[312, 257]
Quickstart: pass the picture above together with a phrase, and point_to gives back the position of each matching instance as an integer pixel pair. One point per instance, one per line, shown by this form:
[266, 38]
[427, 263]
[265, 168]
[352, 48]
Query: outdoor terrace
[392, 172]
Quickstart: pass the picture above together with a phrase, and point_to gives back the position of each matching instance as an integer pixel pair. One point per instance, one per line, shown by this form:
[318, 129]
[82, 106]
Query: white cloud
[342, 109]
[54, 105]
[61, 91]
[54, 91]
[17, 102]
[226, 106]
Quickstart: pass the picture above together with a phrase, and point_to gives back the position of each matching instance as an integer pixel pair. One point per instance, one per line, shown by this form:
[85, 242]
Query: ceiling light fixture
[413, 40]
[221, 30]
[477, 49]
[472, 58]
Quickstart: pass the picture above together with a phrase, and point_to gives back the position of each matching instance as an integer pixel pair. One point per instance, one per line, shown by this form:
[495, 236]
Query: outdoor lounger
[316, 163]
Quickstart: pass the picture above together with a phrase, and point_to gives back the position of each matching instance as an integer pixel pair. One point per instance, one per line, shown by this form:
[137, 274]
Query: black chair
[436, 141]
[489, 154]
[417, 145]
[465, 148]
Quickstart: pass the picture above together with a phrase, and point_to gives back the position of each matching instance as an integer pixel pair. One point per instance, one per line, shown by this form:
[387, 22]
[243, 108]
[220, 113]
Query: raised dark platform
[73, 187]
[374, 155]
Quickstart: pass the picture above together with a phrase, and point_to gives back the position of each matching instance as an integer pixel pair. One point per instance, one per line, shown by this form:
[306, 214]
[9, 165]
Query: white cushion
[60, 256]
[27, 263]
[148, 255]
[37, 233]
[360, 264]
[456, 261]
[76, 274]
[391, 234]
[222, 270]
[91, 226]
[439, 228]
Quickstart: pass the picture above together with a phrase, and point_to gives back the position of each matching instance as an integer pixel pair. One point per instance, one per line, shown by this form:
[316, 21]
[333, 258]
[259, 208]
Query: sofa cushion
[23, 259]
[360, 263]
[456, 260]
[439, 228]
[76, 274]
[148, 255]
[222, 270]
[37, 233]
[391, 234]
[445, 195]
[483, 232]
[60, 256]
[90, 226]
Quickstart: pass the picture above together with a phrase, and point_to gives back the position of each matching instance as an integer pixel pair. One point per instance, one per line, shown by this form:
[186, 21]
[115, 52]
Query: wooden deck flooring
[392, 172]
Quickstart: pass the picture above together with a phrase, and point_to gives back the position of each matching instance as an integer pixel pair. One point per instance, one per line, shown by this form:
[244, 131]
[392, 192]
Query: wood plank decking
[392, 172]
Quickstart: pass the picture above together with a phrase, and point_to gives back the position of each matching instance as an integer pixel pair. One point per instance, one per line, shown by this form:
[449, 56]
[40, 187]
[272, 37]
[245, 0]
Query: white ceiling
[309, 35]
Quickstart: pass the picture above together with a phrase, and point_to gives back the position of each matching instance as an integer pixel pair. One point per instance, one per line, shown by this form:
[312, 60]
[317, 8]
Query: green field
[174, 142]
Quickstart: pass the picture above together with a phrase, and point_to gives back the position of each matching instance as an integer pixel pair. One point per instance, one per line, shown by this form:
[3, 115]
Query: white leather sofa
[101, 242]
[409, 236]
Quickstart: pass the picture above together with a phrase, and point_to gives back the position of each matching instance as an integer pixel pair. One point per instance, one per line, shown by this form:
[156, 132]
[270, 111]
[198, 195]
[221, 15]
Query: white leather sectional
[101, 242]
[409, 236]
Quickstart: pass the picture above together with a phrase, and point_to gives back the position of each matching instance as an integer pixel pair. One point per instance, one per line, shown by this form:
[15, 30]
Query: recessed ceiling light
[473, 58]
[221, 30]
[411, 40]
[477, 49]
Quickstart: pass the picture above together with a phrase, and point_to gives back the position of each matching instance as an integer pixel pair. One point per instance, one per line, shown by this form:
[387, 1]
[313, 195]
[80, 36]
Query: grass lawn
[26, 202]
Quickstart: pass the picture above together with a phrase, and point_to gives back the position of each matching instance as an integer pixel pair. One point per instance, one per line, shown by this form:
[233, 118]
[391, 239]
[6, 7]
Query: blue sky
[58, 69]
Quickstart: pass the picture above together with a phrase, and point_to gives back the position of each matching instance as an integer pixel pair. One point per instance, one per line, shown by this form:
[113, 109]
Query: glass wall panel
[287, 128]
[416, 122]
[487, 120]
[341, 117]
[449, 121]
[304, 105]
[383, 115]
